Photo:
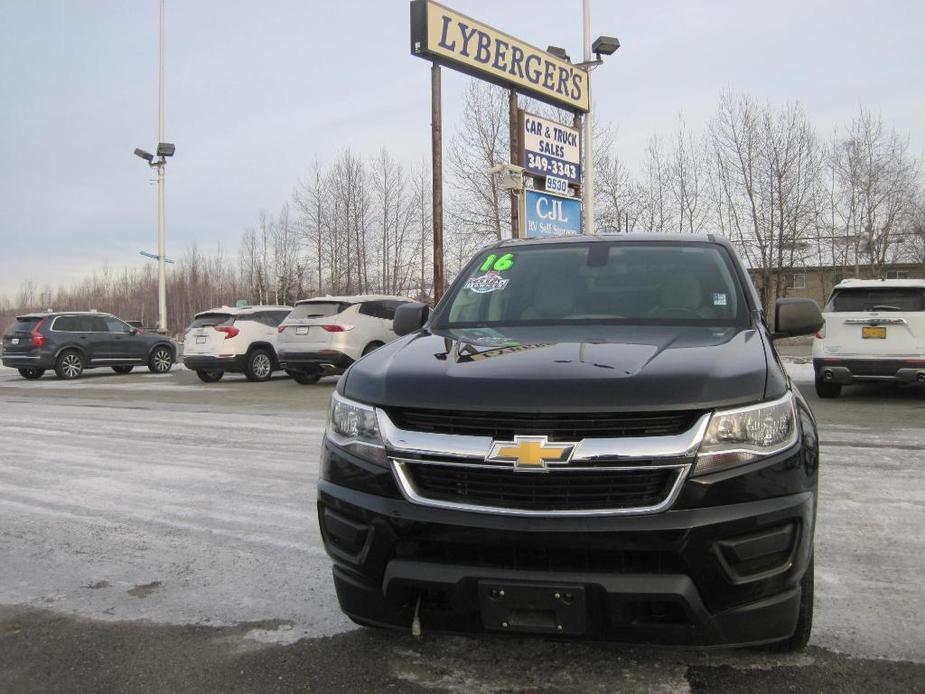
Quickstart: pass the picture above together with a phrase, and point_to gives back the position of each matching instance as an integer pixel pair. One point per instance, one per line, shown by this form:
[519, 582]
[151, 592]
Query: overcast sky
[255, 91]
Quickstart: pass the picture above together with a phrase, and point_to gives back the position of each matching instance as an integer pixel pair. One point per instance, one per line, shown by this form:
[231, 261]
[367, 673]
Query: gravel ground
[157, 534]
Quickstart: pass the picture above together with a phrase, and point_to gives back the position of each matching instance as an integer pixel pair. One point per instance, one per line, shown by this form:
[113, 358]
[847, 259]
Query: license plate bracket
[873, 332]
[302, 330]
[201, 339]
[533, 608]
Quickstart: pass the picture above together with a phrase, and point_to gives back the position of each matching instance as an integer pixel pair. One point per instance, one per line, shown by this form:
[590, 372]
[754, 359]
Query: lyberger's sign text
[453, 39]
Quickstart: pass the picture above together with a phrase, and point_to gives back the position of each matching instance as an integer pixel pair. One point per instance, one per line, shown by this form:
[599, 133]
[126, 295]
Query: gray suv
[71, 342]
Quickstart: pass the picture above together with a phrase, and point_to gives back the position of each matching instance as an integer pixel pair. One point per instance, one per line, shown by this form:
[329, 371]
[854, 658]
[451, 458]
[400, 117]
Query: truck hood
[550, 369]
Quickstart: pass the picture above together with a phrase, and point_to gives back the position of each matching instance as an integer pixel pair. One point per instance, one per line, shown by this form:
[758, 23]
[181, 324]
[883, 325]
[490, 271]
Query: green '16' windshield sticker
[493, 262]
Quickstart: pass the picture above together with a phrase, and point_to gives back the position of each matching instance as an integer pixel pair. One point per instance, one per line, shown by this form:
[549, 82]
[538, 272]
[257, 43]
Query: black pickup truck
[588, 437]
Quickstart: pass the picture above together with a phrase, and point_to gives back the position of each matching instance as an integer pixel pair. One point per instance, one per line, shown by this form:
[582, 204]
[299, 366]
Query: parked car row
[317, 337]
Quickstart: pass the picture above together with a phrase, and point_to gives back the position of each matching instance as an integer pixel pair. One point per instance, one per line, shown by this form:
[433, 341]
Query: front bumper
[844, 371]
[212, 362]
[698, 575]
[327, 361]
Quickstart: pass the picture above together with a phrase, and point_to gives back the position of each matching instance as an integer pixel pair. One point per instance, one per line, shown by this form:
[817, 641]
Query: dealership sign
[550, 148]
[455, 40]
[551, 215]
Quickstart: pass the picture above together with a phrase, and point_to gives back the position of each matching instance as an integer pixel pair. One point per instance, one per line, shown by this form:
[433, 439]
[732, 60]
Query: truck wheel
[70, 364]
[303, 378]
[827, 389]
[212, 376]
[259, 366]
[31, 374]
[804, 622]
[123, 369]
[161, 360]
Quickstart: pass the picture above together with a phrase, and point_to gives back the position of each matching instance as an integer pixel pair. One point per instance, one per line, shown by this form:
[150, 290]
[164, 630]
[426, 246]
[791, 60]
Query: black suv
[71, 342]
[591, 436]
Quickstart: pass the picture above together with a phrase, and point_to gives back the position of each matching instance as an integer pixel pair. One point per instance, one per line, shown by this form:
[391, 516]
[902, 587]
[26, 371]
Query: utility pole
[514, 137]
[587, 188]
[436, 142]
[161, 244]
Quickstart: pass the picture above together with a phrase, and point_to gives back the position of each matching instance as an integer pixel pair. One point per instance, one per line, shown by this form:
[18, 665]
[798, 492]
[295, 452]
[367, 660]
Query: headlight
[354, 426]
[739, 436]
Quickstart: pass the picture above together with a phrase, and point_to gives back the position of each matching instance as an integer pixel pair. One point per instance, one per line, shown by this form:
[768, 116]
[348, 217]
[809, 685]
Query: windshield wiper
[885, 307]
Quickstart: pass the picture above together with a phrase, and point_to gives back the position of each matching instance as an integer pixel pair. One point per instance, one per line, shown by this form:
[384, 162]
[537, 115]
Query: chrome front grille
[604, 476]
[557, 426]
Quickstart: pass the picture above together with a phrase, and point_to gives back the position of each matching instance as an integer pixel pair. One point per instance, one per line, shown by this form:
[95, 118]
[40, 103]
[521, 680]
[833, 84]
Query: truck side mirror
[795, 317]
[410, 317]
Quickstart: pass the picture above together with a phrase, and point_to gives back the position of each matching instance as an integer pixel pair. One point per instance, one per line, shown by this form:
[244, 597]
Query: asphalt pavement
[159, 534]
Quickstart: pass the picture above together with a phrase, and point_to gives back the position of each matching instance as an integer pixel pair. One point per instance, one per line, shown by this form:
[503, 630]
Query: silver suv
[324, 336]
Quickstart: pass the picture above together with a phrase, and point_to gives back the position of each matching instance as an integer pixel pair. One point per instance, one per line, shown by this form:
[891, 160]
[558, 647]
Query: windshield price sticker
[551, 149]
[493, 262]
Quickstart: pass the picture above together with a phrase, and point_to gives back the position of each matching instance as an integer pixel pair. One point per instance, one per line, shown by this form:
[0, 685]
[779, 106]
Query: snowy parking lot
[173, 523]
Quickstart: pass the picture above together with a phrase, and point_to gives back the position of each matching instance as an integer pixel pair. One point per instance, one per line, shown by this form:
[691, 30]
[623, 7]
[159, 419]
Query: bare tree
[879, 182]
[478, 205]
[687, 184]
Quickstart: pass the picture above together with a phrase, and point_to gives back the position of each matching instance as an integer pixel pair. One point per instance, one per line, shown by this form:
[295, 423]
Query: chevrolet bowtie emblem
[530, 452]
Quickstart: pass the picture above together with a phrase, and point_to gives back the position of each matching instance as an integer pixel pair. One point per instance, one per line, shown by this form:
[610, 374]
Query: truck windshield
[597, 282]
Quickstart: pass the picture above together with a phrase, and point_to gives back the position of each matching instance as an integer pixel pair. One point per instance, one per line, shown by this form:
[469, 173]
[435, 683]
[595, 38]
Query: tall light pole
[164, 150]
[161, 243]
[602, 45]
[587, 189]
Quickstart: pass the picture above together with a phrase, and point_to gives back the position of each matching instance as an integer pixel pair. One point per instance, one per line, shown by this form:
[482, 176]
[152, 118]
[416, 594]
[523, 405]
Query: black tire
[211, 376]
[123, 369]
[31, 374]
[371, 347]
[805, 621]
[69, 364]
[303, 378]
[259, 365]
[827, 389]
[161, 360]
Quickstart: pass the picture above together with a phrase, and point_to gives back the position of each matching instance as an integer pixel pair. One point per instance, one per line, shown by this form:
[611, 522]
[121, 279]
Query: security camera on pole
[164, 150]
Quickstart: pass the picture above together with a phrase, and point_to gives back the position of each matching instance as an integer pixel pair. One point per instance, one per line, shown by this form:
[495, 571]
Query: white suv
[324, 336]
[234, 339]
[874, 330]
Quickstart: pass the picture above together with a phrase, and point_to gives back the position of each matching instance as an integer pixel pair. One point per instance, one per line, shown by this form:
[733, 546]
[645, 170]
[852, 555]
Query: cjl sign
[551, 215]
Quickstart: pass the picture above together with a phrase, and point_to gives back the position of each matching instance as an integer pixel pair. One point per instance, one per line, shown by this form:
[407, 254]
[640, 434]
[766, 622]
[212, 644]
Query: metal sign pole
[436, 131]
